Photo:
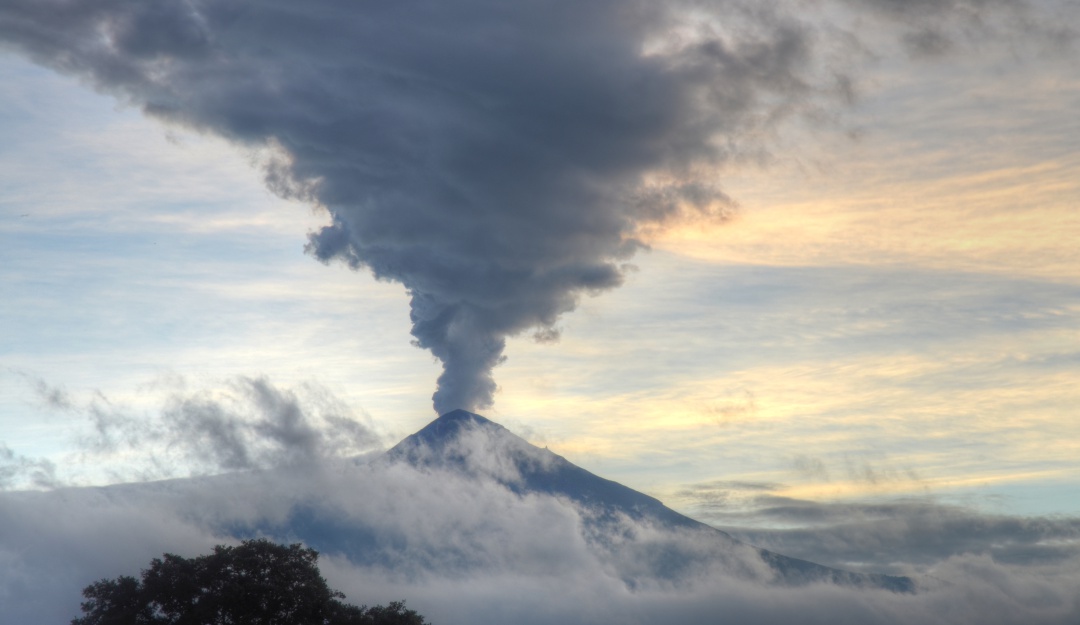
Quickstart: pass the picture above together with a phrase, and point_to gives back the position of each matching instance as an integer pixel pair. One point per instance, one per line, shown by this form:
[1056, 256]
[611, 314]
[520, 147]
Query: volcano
[480, 449]
[464, 456]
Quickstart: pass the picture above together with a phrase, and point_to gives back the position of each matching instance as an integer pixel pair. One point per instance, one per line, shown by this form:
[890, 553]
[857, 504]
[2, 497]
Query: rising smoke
[499, 159]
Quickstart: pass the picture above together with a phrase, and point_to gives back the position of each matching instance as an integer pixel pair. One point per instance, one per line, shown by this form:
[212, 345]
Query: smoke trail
[499, 159]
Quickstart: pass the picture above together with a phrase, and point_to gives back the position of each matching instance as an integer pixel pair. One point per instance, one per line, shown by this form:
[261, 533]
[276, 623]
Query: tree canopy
[256, 583]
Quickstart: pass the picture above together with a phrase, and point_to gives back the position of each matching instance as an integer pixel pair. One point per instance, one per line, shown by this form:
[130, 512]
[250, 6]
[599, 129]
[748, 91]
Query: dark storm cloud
[497, 158]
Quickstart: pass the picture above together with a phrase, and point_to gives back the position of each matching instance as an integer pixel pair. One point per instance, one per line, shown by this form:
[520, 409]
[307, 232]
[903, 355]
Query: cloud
[16, 469]
[52, 397]
[899, 536]
[242, 424]
[982, 592]
[927, 29]
[464, 546]
[498, 161]
[466, 550]
[249, 424]
[278, 429]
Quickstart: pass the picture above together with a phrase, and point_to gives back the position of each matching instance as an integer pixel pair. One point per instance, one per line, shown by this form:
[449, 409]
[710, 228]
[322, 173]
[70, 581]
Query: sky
[744, 258]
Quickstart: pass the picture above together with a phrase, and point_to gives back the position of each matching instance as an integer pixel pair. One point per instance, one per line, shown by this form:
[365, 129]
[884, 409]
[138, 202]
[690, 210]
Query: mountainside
[480, 448]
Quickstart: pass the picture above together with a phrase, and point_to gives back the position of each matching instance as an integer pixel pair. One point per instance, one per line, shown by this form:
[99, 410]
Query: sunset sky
[887, 308]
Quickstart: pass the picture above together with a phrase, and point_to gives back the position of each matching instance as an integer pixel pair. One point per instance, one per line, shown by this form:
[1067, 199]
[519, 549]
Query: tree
[256, 583]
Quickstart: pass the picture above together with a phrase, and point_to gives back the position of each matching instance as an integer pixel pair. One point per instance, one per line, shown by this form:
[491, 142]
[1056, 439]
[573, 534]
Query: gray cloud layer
[901, 536]
[469, 550]
[463, 546]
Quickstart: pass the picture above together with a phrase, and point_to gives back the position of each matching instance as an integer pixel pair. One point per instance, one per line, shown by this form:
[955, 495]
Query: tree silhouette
[256, 583]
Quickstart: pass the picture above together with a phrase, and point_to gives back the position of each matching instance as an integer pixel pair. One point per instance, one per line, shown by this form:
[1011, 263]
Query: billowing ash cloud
[499, 159]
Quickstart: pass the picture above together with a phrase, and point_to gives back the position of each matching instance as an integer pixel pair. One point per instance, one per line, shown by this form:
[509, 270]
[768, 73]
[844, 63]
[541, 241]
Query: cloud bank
[899, 535]
[464, 543]
[467, 550]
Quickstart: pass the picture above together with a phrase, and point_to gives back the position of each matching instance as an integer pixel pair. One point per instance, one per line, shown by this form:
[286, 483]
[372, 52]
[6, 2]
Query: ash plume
[499, 159]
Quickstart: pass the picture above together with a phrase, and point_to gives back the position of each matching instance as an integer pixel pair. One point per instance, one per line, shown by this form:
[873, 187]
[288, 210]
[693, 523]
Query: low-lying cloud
[902, 536]
[467, 550]
[464, 544]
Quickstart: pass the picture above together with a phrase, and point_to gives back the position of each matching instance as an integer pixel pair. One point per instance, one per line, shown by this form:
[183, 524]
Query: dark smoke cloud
[499, 159]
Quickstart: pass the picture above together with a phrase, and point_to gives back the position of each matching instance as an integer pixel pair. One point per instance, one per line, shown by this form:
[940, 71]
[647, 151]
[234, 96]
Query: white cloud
[467, 550]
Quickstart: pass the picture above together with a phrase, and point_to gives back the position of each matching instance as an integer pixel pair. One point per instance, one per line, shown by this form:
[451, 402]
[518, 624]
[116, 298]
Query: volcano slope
[476, 447]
